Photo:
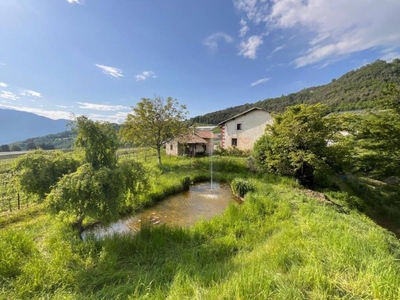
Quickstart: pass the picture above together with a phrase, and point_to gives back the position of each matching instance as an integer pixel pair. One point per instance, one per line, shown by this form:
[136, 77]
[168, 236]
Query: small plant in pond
[186, 183]
[241, 187]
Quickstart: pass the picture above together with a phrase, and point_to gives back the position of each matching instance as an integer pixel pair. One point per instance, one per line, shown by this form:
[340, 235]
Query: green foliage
[15, 250]
[38, 171]
[98, 141]
[355, 90]
[15, 147]
[241, 187]
[4, 148]
[62, 140]
[297, 144]
[154, 122]
[97, 193]
[376, 136]
[231, 151]
[87, 192]
[186, 183]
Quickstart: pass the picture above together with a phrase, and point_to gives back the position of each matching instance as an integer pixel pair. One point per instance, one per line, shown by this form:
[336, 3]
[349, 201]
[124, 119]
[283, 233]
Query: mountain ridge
[19, 125]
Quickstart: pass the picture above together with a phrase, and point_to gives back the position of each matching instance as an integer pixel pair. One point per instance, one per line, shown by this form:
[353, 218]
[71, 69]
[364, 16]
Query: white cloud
[212, 41]
[255, 10]
[114, 72]
[102, 107]
[118, 117]
[262, 80]
[249, 49]
[2, 84]
[52, 114]
[75, 1]
[244, 28]
[330, 29]
[30, 93]
[145, 75]
[279, 48]
[8, 95]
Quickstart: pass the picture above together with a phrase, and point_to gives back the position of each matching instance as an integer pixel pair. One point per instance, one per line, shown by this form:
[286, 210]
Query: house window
[239, 126]
[171, 147]
[234, 142]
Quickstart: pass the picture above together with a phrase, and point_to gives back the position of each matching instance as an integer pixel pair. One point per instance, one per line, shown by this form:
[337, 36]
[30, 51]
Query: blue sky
[100, 57]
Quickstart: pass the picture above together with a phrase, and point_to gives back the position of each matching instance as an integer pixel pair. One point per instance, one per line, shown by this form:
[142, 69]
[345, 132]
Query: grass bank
[283, 242]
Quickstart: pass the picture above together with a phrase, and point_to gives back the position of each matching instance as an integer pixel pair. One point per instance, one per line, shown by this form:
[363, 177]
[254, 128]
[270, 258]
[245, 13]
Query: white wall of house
[171, 148]
[245, 129]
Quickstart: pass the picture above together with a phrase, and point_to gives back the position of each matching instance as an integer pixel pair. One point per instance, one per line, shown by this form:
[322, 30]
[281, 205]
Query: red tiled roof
[205, 134]
[191, 139]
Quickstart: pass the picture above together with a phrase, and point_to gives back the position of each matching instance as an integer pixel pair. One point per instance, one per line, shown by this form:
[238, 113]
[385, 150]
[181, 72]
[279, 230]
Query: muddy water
[201, 202]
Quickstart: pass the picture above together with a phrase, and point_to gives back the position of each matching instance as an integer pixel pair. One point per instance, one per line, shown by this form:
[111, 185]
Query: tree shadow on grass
[380, 201]
[153, 261]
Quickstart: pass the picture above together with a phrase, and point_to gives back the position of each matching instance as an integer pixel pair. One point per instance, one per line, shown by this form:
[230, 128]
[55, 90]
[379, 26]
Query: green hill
[357, 89]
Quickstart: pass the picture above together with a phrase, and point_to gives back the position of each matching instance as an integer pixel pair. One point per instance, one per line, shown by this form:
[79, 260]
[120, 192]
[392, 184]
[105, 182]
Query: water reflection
[201, 202]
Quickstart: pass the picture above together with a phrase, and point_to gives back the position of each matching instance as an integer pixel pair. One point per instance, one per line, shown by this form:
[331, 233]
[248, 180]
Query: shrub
[231, 151]
[186, 183]
[241, 187]
[38, 171]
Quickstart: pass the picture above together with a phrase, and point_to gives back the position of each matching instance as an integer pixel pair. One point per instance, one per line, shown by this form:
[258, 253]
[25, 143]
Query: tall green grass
[281, 243]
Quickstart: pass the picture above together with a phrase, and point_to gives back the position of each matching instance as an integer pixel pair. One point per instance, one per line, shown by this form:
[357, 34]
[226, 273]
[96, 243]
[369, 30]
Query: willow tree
[97, 142]
[101, 187]
[155, 121]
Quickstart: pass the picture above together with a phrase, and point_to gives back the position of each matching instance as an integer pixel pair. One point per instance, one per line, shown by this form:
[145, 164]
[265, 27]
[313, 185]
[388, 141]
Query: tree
[15, 147]
[100, 188]
[155, 121]
[31, 146]
[296, 144]
[97, 193]
[376, 135]
[39, 171]
[97, 142]
[4, 148]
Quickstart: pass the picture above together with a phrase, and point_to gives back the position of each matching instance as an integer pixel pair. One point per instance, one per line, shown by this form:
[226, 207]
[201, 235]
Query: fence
[10, 198]
[142, 154]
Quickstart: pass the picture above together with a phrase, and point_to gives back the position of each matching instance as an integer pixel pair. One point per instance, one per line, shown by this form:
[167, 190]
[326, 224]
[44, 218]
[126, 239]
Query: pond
[200, 202]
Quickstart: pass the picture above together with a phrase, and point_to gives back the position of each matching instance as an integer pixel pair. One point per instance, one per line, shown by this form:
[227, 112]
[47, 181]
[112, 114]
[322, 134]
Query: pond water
[201, 202]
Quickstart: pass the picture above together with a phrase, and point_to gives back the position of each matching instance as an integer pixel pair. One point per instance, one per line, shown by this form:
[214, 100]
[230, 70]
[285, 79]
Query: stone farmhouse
[199, 142]
[244, 129]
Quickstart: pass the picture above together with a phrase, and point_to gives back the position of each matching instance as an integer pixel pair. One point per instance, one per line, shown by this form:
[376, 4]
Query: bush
[186, 183]
[241, 187]
[38, 171]
[231, 151]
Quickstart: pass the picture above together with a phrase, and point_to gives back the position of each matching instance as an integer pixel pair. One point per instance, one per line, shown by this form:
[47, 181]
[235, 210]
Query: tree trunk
[78, 225]
[159, 154]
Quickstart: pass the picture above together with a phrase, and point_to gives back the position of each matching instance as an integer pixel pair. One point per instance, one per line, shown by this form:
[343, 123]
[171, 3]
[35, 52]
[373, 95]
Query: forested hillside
[357, 89]
[62, 140]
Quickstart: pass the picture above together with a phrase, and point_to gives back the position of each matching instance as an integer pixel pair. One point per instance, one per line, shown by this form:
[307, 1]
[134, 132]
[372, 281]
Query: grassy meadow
[283, 242]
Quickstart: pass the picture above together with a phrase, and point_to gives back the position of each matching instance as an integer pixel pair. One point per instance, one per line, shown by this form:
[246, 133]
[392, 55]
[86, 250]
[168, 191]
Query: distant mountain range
[19, 125]
[355, 90]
